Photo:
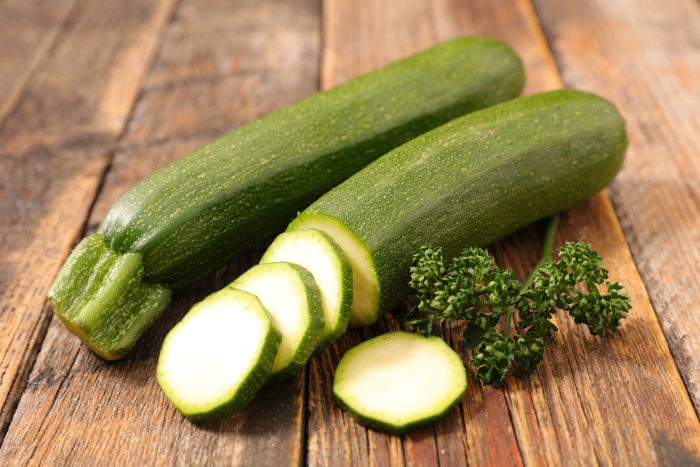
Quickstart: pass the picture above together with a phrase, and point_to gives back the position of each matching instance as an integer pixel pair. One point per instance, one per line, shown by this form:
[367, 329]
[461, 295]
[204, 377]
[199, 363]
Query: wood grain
[590, 402]
[613, 400]
[617, 399]
[84, 410]
[351, 34]
[646, 55]
[52, 156]
[28, 31]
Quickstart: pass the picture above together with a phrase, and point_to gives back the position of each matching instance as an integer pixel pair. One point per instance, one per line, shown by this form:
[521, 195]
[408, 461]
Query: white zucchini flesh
[399, 381]
[215, 360]
[290, 294]
[365, 282]
[318, 253]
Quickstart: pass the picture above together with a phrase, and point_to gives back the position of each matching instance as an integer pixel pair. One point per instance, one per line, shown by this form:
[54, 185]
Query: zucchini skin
[197, 214]
[192, 217]
[476, 180]
[103, 298]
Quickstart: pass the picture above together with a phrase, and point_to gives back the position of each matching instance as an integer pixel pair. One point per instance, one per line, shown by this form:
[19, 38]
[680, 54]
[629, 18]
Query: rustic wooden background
[95, 94]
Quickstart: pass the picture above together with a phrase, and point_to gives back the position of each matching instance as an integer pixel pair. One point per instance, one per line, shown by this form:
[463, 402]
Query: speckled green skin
[477, 179]
[195, 215]
[198, 213]
[101, 297]
[244, 393]
[305, 284]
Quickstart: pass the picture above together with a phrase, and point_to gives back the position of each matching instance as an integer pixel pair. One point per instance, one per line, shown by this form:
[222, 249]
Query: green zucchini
[95, 279]
[290, 295]
[467, 183]
[195, 215]
[315, 251]
[399, 381]
[215, 360]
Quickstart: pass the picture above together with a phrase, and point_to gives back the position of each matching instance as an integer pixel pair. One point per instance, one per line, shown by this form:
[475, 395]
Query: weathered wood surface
[570, 410]
[219, 64]
[646, 55]
[28, 31]
[204, 82]
[53, 152]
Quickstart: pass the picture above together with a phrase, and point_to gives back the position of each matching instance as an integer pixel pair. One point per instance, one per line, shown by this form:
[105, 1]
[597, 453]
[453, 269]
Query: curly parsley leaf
[475, 290]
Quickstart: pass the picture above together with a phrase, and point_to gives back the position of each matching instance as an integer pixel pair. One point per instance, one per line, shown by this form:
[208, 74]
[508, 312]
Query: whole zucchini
[188, 219]
[467, 183]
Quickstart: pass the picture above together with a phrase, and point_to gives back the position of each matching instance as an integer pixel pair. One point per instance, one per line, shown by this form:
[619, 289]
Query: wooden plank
[196, 90]
[513, 22]
[591, 401]
[588, 402]
[645, 56]
[52, 156]
[617, 399]
[351, 34]
[28, 30]
[488, 414]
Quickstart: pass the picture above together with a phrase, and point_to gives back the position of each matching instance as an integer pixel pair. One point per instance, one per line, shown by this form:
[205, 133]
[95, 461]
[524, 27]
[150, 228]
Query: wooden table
[95, 95]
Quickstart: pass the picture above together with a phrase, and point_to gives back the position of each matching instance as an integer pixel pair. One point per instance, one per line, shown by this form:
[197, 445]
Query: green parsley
[475, 290]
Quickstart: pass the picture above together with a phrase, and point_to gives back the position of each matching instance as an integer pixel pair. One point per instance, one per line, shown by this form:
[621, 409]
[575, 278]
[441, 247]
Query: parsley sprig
[475, 290]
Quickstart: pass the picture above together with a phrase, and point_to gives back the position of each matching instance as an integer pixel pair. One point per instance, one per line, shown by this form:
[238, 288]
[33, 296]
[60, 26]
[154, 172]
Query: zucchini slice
[215, 360]
[365, 285]
[315, 251]
[467, 183]
[399, 381]
[290, 294]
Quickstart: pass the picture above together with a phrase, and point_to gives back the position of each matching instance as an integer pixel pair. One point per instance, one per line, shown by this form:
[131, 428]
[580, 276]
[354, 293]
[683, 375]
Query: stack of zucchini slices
[294, 304]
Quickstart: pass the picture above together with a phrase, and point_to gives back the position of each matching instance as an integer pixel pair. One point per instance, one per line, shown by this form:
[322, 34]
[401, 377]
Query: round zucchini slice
[290, 294]
[399, 381]
[215, 360]
[318, 253]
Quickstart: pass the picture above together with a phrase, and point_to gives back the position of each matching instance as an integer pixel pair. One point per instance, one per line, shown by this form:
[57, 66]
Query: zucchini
[467, 183]
[290, 294]
[215, 360]
[195, 215]
[399, 381]
[95, 279]
[332, 272]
